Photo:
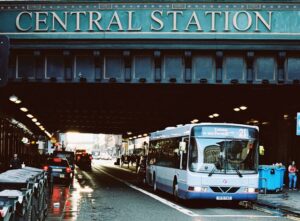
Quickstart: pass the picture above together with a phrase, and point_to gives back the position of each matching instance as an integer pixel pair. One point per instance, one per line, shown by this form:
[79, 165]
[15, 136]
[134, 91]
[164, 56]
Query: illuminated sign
[224, 132]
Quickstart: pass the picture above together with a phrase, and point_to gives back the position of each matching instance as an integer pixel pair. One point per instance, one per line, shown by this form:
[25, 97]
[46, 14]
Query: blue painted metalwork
[224, 21]
[298, 125]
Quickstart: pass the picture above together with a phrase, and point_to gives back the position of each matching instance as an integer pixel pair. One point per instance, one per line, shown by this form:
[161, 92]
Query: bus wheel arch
[154, 182]
[175, 189]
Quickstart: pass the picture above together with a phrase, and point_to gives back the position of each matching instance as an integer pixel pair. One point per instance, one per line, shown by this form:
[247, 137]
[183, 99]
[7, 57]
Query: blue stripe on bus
[235, 196]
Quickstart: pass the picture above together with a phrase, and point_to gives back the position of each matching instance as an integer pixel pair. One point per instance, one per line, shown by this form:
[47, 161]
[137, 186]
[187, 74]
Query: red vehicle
[78, 154]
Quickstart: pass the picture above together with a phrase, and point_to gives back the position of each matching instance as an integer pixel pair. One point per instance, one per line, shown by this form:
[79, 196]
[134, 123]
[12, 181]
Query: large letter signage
[144, 21]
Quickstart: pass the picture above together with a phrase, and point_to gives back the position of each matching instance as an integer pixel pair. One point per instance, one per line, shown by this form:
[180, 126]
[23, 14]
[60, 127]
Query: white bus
[216, 161]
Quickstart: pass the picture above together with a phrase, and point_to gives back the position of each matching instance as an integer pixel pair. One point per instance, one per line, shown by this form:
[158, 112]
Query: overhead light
[129, 133]
[285, 116]
[134, 137]
[145, 135]
[130, 138]
[18, 101]
[211, 116]
[29, 115]
[195, 121]
[236, 109]
[48, 134]
[265, 123]
[13, 98]
[38, 123]
[24, 109]
[216, 115]
[34, 119]
[25, 140]
[243, 107]
[139, 135]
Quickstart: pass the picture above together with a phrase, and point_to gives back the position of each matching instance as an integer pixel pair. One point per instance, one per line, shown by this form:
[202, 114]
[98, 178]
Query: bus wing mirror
[261, 150]
[182, 146]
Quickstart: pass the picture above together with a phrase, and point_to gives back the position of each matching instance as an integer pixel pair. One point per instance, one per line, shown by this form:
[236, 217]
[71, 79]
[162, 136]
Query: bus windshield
[214, 154]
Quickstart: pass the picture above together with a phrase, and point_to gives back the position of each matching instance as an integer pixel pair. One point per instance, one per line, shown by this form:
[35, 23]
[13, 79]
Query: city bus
[216, 161]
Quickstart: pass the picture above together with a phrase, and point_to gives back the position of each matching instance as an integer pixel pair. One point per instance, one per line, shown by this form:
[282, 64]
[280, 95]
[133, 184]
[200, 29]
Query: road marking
[89, 178]
[239, 216]
[177, 207]
[164, 201]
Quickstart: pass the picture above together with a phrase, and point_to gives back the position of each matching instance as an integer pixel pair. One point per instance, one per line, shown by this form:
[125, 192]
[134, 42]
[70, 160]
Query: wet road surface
[108, 193]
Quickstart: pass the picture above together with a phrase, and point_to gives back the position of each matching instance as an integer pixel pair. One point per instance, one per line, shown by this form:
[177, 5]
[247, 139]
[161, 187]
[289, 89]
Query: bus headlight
[250, 190]
[197, 189]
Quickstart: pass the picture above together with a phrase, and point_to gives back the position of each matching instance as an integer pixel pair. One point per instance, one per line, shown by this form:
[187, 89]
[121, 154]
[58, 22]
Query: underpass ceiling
[119, 108]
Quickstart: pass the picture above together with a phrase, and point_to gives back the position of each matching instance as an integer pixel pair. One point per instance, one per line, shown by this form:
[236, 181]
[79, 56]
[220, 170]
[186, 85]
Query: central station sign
[159, 21]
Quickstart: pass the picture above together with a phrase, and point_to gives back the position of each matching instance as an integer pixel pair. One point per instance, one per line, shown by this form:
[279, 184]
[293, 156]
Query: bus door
[181, 170]
[151, 160]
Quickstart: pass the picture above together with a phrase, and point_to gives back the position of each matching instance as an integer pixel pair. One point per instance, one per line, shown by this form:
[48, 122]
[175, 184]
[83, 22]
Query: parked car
[96, 154]
[58, 168]
[69, 155]
[105, 156]
[79, 153]
[85, 161]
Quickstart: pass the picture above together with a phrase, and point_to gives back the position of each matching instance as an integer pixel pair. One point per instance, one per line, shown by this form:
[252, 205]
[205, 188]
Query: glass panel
[203, 67]
[143, 67]
[114, 67]
[265, 68]
[173, 67]
[85, 67]
[55, 66]
[219, 155]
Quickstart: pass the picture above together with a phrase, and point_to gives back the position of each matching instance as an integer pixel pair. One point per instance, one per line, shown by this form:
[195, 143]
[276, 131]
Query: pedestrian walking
[15, 162]
[292, 176]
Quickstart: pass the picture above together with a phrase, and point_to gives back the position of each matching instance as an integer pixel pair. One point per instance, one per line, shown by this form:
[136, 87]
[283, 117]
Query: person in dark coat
[15, 162]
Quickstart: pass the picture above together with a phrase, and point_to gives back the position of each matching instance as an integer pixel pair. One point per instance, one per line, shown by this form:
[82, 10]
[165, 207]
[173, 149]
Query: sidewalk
[287, 201]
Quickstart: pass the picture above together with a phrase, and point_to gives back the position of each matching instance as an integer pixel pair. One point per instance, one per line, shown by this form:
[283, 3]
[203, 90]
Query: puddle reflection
[65, 201]
[57, 200]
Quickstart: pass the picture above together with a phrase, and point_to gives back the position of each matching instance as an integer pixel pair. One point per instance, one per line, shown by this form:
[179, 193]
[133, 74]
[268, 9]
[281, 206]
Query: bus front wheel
[175, 191]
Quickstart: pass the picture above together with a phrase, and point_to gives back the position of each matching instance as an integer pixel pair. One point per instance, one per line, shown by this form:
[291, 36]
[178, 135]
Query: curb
[285, 212]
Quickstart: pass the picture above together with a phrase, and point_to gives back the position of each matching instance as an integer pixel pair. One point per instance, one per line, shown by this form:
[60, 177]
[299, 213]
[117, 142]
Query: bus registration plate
[224, 198]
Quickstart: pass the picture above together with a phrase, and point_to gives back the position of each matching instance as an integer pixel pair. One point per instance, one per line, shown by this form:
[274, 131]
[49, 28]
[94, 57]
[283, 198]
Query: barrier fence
[23, 195]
